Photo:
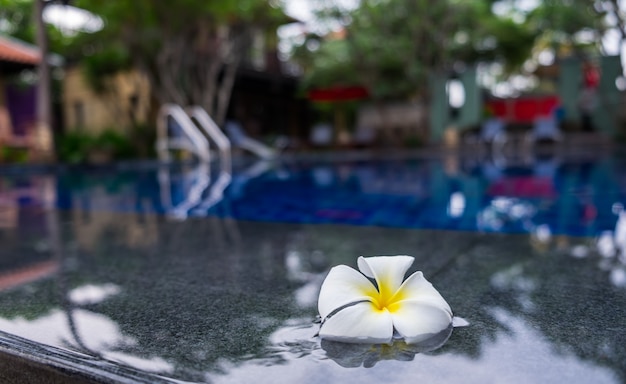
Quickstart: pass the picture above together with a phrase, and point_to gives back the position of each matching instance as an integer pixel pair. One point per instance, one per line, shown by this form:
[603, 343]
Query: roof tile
[14, 51]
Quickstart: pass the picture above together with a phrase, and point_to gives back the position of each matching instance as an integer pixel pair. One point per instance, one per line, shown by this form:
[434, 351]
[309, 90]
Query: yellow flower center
[384, 298]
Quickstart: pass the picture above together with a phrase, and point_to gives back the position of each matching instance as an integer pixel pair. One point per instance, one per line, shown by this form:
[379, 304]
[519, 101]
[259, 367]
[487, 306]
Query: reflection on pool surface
[189, 273]
[577, 199]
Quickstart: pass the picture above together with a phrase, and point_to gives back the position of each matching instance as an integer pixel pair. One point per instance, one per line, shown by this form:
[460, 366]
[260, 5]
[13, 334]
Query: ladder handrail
[258, 148]
[214, 132]
[210, 127]
[197, 143]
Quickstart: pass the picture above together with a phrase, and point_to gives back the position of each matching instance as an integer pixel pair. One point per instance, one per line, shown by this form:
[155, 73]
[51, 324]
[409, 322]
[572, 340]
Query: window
[79, 114]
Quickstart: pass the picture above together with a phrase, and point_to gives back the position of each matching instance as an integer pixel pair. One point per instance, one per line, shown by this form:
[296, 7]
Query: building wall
[569, 81]
[609, 97]
[392, 122]
[608, 100]
[127, 102]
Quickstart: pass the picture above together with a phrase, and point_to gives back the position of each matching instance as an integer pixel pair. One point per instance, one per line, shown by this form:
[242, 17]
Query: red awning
[524, 109]
[338, 93]
[523, 187]
[13, 51]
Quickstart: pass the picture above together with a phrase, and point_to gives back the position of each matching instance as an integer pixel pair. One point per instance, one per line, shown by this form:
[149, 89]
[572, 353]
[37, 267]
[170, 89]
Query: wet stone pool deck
[217, 300]
[98, 295]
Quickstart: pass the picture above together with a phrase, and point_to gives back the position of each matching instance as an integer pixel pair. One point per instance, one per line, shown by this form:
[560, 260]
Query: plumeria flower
[354, 310]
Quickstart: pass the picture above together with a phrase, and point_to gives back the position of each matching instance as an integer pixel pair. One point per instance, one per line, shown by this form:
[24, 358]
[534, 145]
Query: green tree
[17, 20]
[394, 46]
[190, 51]
[559, 26]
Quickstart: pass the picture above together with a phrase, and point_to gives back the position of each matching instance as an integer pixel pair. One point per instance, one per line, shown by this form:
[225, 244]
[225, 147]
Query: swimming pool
[154, 274]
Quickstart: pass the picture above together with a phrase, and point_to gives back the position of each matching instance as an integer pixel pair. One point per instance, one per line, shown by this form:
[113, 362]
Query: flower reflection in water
[351, 355]
[297, 339]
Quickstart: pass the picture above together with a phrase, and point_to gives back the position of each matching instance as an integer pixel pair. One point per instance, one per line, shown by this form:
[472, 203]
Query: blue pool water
[575, 197]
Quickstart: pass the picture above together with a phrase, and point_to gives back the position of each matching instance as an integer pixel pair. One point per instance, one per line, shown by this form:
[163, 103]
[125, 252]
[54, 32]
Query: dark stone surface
[214, 300]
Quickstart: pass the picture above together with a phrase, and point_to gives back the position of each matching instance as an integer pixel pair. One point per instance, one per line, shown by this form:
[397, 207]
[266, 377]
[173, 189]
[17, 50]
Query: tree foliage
[560, 25]
[17, 20]
[189, 50]
[394, 46]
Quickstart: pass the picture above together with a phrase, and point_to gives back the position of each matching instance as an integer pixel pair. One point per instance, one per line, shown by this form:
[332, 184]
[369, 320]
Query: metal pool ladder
[184, 133]
[191, 129]
[214, 132]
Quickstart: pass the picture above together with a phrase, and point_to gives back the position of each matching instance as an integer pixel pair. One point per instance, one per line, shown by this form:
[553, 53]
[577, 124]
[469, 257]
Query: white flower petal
[417, 321]
[343, 285]
[359, 323]
[388, 271]
[416, 287]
